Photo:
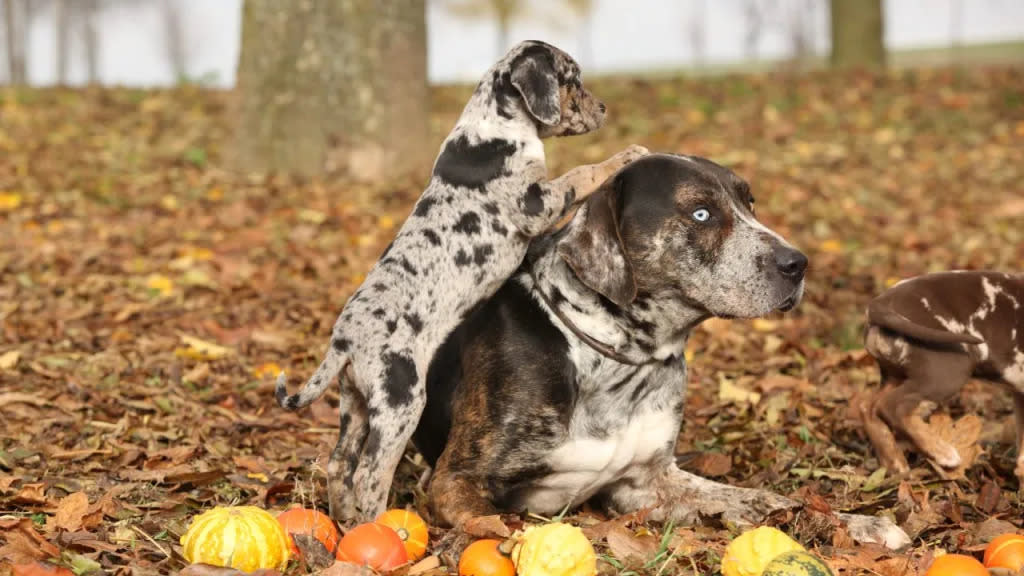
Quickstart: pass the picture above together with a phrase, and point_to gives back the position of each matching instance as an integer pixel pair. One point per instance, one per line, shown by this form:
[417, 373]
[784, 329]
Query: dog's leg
[453, 497]
[540, 211]
[341, 467]
[933, 376]
[1018, 405]
[682, 497]
[394, 405]
[890, 455]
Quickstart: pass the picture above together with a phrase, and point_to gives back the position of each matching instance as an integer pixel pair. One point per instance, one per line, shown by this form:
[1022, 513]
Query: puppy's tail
[881, 314]
[315, 386]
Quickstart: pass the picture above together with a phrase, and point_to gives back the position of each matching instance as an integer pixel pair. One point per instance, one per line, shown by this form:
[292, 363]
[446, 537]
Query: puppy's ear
[533, 75]
[593, 246]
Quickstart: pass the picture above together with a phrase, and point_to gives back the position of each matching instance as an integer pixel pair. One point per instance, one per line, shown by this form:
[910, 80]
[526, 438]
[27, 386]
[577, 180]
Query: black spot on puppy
[340, 344]
[432, 237]
[372, 443]
[498, 227]
[469, 223]
[534, 201]
[472, 165]
[461, 258]
[491, 208]
[415, 322]
[399, 378]
[482, 253]
[379, 313]
[423, 207]
[392, 325]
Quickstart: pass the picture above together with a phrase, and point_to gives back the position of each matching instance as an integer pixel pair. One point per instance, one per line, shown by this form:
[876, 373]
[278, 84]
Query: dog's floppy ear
[533, 75]
[593, 248]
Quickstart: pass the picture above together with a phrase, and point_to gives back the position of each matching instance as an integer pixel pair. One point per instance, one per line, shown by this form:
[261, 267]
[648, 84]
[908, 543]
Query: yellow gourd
[751, 551]
[554, 549]
[243, 537]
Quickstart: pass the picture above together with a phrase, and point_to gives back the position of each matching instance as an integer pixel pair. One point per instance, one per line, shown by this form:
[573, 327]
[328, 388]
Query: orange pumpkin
[312, 522]
[410, 528]
[1006, 551]
[485, 558]
[373, 545]
[40, 569]
[956, 565]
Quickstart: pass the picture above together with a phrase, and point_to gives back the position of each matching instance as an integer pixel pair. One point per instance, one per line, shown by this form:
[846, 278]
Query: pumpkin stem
[507, 546]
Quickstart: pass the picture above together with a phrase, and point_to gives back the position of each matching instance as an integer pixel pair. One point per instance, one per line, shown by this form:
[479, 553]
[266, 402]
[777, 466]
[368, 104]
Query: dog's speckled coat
[466, 235]
[524, 414]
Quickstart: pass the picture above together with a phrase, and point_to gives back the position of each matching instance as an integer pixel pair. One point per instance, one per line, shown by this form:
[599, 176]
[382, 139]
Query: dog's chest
[609, 434]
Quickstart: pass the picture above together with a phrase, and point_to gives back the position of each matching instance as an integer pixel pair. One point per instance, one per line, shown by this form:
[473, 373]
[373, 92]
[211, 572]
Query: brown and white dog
[568, 385]
[930, 335]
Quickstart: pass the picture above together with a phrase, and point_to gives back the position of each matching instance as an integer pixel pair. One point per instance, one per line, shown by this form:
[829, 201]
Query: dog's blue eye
[701, 215]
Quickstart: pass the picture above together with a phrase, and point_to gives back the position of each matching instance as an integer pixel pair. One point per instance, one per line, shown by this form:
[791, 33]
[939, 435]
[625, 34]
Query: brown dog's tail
[881, 314]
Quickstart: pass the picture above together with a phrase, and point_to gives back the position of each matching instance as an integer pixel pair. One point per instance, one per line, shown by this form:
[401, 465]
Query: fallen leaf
[346, 569]
[70, 511]
[629, 547]
[160, 284]
[962, 435]
[201, 350]
[9, 359]
[486, 527]
[9, 201]
[728, 391]
[712, 464]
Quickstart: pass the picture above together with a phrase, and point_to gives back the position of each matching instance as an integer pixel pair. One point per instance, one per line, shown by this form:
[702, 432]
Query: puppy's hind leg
[890, 455]
[395, 403]
[1018, 405]
[341, 467]
[935, 376]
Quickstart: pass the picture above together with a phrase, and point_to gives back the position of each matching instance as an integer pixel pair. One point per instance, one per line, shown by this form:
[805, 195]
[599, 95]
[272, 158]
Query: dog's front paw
[875, 530]
[630, 154]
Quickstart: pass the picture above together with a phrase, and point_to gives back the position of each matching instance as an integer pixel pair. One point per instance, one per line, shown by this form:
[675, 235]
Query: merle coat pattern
[466, 235]
[525, 414]
[930, 335]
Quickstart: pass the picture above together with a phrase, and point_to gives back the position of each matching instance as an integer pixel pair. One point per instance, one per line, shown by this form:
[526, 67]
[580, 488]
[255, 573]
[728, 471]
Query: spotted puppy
[930, 335]
[466, 235]
[568, 385]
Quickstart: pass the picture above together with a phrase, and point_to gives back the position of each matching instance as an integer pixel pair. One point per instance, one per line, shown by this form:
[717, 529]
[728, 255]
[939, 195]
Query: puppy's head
[682, 228]
[546, 83]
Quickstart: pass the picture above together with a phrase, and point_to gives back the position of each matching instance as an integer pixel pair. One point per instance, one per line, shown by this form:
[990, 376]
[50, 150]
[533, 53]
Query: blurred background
[190, 190]
[160, 42]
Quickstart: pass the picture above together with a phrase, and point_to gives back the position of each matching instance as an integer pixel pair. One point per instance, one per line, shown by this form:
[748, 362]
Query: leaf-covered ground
[148, 297]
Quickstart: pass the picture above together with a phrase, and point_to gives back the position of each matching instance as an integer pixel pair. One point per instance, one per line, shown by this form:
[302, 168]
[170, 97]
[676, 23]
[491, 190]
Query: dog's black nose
[791, 262]
[601, 106]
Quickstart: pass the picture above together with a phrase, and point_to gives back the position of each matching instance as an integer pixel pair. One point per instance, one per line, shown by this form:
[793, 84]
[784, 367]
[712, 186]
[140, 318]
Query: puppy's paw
[945, 455]
[630, 154]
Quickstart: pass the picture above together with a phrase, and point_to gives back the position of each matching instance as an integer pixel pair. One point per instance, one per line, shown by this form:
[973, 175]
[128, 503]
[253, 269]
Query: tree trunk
[174, 40]
[91, 40]
[331, 86]
[858, 33]
[15, 33]
[62, 30]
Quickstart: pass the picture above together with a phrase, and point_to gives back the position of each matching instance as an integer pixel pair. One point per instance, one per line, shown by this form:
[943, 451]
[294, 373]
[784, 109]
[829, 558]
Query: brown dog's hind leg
[453, 497]
[934, 376]
[889, 452]
[1018, 405]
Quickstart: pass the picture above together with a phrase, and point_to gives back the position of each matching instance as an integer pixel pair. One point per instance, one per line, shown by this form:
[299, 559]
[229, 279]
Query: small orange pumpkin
[956, 565]
[312, 522]
[1006, 551]
[485, 558]
[373, 545]
[40, 569]
[410, 528]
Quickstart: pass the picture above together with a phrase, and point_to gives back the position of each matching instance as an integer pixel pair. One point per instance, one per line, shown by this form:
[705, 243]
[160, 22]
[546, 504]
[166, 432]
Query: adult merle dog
[568, 384]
